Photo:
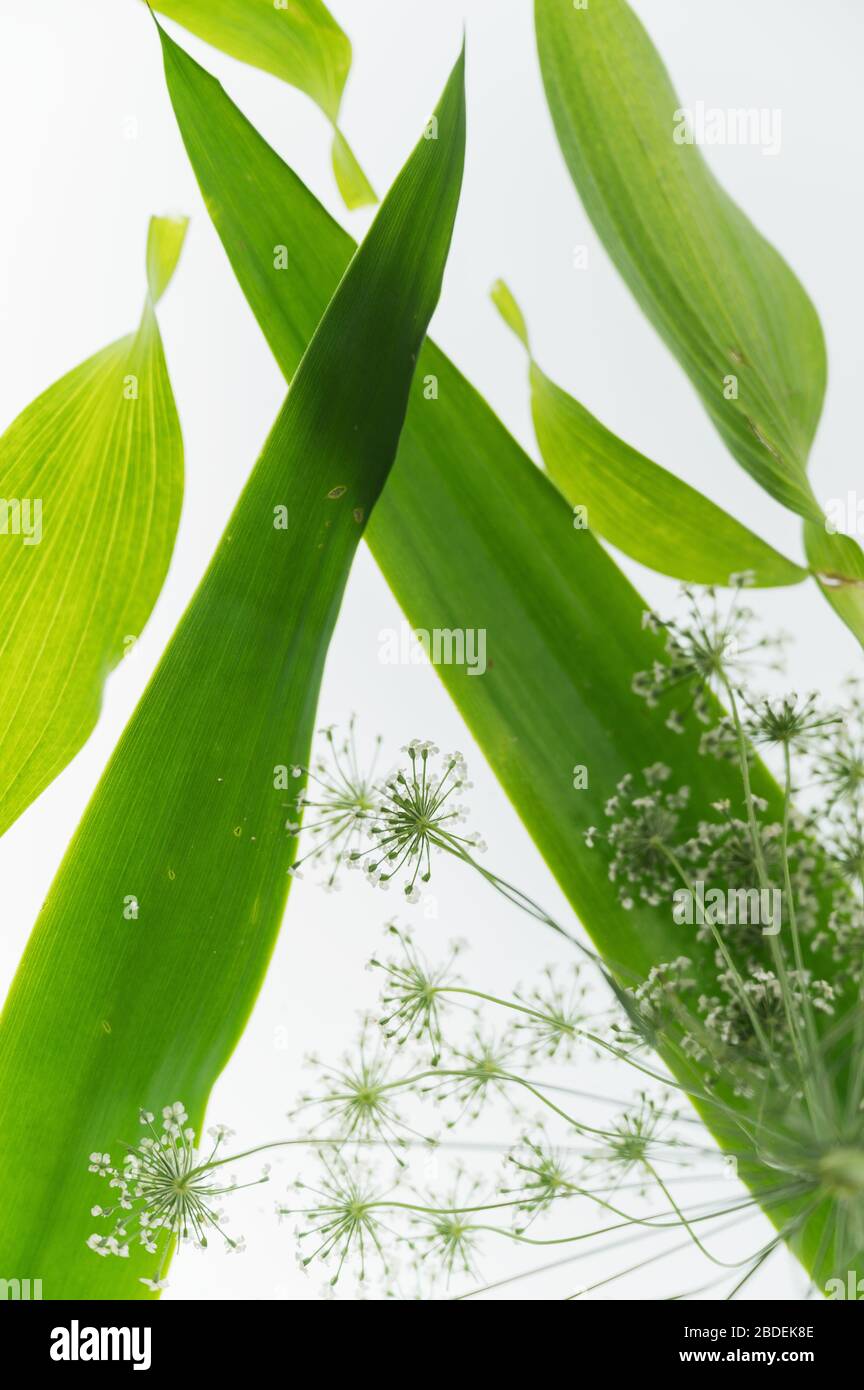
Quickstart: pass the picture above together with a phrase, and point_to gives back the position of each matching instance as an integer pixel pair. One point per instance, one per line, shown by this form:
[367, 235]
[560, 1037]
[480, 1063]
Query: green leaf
[724, 301]
[150, 950]
[97, 462]
[296, 40]
[356, 190]
[469, 533]
[838, 564]
[636, 505]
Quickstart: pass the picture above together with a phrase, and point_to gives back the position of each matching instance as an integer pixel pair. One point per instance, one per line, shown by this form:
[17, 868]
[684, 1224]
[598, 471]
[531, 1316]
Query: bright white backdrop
[90, 149]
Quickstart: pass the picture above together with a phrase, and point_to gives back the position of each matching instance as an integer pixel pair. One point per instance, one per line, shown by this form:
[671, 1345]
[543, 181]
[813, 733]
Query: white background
[75, 80]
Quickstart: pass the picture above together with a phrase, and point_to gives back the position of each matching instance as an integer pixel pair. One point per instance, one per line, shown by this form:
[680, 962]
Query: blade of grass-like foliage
[719, 294]
[149, 952]
[469, 533]
[297, 40]
[725, 302]
[91, 485]
[636, 505]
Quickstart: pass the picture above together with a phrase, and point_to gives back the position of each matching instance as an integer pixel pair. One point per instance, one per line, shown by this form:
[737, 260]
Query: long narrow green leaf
[147, 957]
[639, 507]
[297, 40]
[91, 484]
[725, 302]
[469, 533]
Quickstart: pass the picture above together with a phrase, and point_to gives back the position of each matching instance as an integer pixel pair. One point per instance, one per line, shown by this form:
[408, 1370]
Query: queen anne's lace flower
[414, 995]
[163, 1191]
[790, 721]
[838, 757]
[709, 649]
[417, 814]
[477, 1070]
[343, 1217]
[553, 1030]
[358, 1099]
[543, 1175]
[336, 812]
[635, 1138]
[644, 830]
[448, 1234]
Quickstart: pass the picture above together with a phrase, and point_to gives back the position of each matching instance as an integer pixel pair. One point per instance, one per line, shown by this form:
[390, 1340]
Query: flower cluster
[417, 816]
[342, 803]
[387, 827]
[164, 1190]
[415, 994]
[642, 837]
[708, 651]
[357, 1099]
[766, 1028]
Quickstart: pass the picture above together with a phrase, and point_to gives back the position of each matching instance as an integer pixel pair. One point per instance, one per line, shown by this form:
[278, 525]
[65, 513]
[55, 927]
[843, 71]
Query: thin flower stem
[729, 962]
[811, 1096]
[728, 1111]
[856, 1088]
[790, 898]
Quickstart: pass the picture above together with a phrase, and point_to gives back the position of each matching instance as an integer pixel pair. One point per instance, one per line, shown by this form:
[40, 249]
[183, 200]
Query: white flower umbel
[343, 1217]
[554, 1028]
[357, 1099]
[446, 1232]
[708, 650]
[544, 1175]
[417, 813]
[413, 997]
[342, 800]
[165, 1190]
[409, 816]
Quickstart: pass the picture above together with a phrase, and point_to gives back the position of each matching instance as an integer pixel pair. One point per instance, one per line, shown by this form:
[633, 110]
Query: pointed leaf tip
[505, 303]
[165, 238]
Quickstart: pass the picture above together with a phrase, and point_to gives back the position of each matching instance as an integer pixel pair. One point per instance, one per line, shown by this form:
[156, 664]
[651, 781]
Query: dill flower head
[721, 741]
[666, 985]
[343, 799]
[411, 1001]
[417, 813]
[357, 1098]
[726, 851]
[166, 1189]
[838, 758]
[343, 1217]
[543, 1174]
[791, 721]
[554, 1028]
[477, 1071]
[730, 1015]
[445, 1234]
[709, 649]
[635, 1138]
[642, 836]
[846, 847]
[843, 934]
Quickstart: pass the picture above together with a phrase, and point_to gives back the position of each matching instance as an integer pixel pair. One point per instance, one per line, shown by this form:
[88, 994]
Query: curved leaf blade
[721, 297]
[98, 458]
[639, 507]
[298, 41]
[111, 1011]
